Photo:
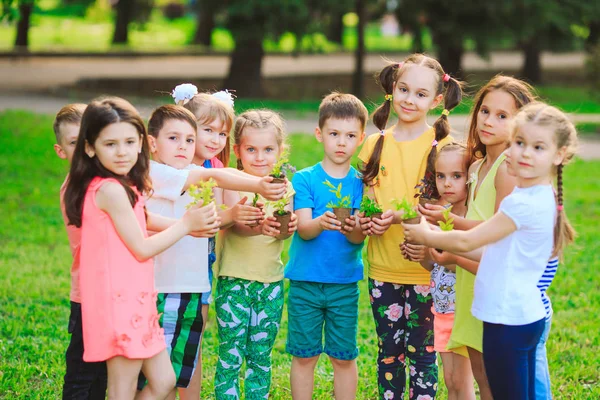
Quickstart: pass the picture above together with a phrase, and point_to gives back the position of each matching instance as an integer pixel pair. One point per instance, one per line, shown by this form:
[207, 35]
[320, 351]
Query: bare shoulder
[502, 174]
[474, 166]
[110, 195]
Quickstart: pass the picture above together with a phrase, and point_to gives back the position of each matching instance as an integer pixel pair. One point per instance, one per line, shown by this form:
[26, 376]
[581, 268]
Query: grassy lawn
[35, 261]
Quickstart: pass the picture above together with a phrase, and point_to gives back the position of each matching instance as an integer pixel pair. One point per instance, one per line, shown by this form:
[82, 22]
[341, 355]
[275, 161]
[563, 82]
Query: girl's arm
[504, 182]
[232, 179]
[376, 226]
[450, 260]
[490, 231]
[112, 199]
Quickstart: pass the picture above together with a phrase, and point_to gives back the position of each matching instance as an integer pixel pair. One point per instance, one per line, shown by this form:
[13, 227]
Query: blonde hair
[208, 108]
[258, 119]
[565, 135]
[457, 147]
[69, 114]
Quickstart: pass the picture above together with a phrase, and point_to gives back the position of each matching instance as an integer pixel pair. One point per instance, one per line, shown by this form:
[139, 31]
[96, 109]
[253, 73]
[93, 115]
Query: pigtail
[452, 97]
[564, 234]
[380, 118]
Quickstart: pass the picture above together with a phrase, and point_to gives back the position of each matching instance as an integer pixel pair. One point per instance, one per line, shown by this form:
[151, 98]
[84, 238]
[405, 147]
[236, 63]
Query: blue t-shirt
[330, 257]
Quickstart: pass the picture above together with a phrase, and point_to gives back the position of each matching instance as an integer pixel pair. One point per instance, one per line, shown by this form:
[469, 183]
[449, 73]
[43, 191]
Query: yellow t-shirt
[255, 258]
[402, 166]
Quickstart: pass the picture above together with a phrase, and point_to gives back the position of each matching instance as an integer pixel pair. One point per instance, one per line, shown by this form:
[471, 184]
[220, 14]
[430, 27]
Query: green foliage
[255, 200]
[203, 192]
[408, 210]
[369, 206]
[278, 170]
[448, 223]
[342, 202]
[280, 205]
[35, 261]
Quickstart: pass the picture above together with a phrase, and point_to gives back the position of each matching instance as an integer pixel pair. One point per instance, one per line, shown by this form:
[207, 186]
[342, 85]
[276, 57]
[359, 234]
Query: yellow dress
[468, 330]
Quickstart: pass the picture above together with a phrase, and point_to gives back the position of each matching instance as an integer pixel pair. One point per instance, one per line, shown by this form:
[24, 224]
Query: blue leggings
[509, 358]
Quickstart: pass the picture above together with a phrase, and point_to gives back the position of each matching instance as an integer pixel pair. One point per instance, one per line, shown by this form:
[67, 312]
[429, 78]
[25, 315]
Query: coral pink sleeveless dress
[118, 301]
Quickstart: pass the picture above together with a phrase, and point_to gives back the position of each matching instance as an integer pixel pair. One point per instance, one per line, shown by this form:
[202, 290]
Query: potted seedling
[409, 213]
[447, 224]
[203, 192]
[281, 167]
[282, 216]
[255, 204]
[342, 207]
[370, 208]
[427, 190]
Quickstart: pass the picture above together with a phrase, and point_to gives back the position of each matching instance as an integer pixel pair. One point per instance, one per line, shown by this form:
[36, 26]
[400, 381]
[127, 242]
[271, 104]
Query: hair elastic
[388, 97]
[382, 132]
[446, 112]
[434, 143]
[560, 207]
[446, 78]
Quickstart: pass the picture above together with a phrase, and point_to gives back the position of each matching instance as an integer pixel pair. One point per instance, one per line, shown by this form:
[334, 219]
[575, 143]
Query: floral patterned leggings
[404, 324]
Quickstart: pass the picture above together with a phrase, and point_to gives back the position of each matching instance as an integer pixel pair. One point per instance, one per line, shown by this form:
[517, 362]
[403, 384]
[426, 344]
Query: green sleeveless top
[468, 330]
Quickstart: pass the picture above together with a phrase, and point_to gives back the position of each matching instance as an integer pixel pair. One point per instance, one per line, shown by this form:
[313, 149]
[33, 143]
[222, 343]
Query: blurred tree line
[533, 25]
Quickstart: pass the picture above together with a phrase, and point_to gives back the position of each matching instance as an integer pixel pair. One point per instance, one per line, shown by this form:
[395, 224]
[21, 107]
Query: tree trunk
[335, 31]
[532, 66]
[22, 39]
[124, 15]
[206, 22]
[594, 37]
[359, 53]
[245, 76]
[450, 55]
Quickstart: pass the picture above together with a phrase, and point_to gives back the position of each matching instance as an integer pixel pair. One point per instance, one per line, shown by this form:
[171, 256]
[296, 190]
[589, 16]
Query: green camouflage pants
[248, 317]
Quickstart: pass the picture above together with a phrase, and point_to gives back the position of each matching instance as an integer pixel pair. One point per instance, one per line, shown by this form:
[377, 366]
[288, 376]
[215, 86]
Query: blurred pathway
[43, 104]
[43, 73]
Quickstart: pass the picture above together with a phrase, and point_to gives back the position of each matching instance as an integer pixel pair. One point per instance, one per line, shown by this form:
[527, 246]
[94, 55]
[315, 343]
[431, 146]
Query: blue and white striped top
[545, 282]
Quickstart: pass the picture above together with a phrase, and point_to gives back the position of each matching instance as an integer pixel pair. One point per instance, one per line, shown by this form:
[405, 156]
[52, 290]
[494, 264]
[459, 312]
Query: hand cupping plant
[408, 210]
[282, 216]
[342, 202]
[369, 207]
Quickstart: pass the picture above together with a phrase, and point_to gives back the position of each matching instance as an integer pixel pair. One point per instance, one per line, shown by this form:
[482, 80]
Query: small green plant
[203, 192]
[282, 165]
[342, 202]
[407, 208]
[279, 205]
[448, 223]
[426, 189]
[369, 206]
[255, 200]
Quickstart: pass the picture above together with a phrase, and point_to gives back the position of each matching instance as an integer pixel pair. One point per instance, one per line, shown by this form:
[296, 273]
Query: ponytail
[564, 234]
[386, 80]
[452, 97]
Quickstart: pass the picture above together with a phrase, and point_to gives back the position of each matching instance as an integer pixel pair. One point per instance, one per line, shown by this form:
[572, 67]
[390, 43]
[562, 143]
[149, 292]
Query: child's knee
[342, 364]
[308, 362]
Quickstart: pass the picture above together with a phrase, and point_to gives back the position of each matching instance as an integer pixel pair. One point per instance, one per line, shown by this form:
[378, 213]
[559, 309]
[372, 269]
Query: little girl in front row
[108, 176]
[451, 166]
[249, 300]
[530, 226]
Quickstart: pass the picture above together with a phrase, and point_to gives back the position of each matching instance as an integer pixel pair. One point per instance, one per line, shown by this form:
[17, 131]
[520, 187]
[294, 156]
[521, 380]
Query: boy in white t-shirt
[181, 272]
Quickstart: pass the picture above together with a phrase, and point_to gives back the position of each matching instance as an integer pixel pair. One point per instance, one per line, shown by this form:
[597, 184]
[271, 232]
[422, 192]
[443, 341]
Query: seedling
[448, 223]
[369, 207]
[279, 206]
[203, 192]
[255, 200]
[408, 210]
[282, 166]
[426, 189]
[342, 202]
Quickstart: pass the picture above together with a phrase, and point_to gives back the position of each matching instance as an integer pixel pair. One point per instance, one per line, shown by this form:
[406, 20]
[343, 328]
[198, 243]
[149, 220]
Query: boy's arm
[355, 236]
[232, 179]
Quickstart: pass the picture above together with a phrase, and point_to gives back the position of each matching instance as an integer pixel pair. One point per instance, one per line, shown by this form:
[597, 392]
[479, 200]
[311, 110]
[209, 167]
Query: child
[529, 227]
[181, 272]
[451, 179]
[395, 161]
[108, 175]
[325, 258]
[495, 104]
[249, 300]
[214, 116]
[82, 379]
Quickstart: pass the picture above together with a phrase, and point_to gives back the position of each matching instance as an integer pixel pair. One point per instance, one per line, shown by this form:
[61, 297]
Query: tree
[359, 54]
[206, 10]
[128, 11]
[23, 24]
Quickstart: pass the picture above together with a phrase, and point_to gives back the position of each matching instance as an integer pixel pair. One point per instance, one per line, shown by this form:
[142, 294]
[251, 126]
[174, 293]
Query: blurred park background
[284, 55]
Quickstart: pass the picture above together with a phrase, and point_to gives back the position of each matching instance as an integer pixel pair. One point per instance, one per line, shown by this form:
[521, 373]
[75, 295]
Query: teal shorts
[317, 307]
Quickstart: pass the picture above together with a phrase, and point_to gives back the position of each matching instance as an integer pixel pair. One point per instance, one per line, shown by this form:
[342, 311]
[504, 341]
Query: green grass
[35, 260]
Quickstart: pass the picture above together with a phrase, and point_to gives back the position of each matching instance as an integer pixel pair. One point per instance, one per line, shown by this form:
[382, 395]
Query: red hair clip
[399, 65]
[446, 78]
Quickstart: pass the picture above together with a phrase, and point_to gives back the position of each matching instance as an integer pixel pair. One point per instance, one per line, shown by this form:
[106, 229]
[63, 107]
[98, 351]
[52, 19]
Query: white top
[183, 267]
[442, 289]
[506, 289]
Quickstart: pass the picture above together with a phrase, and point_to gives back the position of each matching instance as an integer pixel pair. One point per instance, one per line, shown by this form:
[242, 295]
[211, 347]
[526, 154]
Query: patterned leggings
[248, 317]
[404, 324]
